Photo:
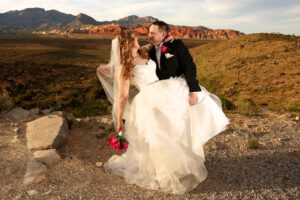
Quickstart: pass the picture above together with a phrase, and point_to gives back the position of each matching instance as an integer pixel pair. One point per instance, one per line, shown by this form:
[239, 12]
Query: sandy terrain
[234, 171]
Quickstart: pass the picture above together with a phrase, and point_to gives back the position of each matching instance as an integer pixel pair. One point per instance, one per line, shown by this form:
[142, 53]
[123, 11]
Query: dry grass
[252, 71]
[54, 72]
[249, 72]
[57, 71]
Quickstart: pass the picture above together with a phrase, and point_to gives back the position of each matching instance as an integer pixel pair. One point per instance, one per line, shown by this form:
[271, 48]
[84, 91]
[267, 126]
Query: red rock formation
[142, 30]
[180, 32]
[205, 34]
[111, 29]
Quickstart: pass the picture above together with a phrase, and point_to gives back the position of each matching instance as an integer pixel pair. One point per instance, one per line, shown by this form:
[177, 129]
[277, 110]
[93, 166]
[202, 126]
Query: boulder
[45, 111]
[22, 115]
[34, 170]
[48, 157]
[48, 132]
[35, 111]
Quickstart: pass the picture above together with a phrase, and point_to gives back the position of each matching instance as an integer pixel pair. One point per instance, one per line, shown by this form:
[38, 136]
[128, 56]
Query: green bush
[252, 144]
[293, 108]
[245, 104]
[92, 108]
[5, 103]
[226, 104]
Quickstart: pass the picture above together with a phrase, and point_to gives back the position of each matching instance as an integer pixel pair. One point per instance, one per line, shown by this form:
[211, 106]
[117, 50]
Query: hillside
[40, 21]
[55, 71]
[253, 70]
[33, 19]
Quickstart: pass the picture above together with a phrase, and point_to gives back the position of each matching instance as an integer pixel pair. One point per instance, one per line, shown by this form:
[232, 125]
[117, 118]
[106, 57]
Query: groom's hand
[193, 98]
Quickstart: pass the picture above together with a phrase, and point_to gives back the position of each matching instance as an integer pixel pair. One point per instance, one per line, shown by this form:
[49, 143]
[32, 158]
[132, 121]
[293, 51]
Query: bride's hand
[120, 127]
[169, 38]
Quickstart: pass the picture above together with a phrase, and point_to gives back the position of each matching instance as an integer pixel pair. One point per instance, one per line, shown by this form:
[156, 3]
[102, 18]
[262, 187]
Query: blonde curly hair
[126, 40]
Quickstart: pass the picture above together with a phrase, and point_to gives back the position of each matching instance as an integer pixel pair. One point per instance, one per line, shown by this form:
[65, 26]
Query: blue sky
[248, 16]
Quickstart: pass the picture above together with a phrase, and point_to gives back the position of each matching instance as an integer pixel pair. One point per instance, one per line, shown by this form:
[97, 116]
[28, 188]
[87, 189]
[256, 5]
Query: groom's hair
[163, 26]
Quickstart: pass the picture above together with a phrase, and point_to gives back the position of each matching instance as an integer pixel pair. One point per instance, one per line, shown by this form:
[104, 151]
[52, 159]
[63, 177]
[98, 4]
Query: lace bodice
[144, 74]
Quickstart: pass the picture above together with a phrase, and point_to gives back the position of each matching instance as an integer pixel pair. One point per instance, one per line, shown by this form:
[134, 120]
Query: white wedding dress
[165, 134]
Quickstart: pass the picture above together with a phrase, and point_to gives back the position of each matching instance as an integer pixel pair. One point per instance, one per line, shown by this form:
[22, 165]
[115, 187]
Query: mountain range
[40, 21]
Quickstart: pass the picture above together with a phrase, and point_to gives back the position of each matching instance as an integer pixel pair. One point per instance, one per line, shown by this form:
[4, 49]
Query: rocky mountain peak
[85, 19]
[134, 19]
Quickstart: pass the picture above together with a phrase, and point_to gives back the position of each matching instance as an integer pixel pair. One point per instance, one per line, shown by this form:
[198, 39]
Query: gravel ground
[234, 171]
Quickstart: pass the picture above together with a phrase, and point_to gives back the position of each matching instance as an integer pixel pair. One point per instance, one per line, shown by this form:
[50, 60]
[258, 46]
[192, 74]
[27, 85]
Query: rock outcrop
[23, 115]
[50, 131]
[112, 29]
[205, 34]
[177, 31]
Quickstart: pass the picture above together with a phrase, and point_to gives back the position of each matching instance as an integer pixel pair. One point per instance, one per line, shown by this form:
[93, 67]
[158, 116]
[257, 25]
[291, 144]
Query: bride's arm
[122, 99]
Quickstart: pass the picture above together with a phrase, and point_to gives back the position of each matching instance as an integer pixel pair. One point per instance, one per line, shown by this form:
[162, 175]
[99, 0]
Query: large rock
[58, 113]
[35, 111]
[21, 114]
[48, 157]
[48, 132]
[34, 170]
[46, 111]
[38, 166]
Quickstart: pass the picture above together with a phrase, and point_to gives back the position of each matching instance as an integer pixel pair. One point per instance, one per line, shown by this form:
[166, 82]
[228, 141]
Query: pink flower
[125, 145]
[164, 49]
[118, 143]
[112, 140]
[117, 146]
[114, 143]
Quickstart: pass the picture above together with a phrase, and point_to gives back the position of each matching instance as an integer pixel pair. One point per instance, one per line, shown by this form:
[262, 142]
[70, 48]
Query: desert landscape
[55, 119]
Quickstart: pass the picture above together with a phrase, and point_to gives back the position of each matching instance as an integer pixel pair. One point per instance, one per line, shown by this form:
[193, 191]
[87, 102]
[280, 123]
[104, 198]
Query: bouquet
[119, 142]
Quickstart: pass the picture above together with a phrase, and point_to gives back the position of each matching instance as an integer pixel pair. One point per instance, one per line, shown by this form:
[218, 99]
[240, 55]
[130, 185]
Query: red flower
[118, 143]
[125, 145]
[114, 143]
[164, 49]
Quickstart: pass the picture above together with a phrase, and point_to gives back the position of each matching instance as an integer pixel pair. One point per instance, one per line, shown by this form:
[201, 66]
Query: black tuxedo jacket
[180, 63]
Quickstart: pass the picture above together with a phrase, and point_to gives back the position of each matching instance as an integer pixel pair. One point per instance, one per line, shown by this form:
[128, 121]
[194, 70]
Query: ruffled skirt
[166, 137]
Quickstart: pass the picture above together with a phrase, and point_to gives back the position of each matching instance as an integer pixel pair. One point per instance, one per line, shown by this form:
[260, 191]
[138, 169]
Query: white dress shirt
[158, 53]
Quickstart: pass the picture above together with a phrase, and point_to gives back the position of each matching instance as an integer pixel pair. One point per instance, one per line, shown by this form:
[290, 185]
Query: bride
[165, 133]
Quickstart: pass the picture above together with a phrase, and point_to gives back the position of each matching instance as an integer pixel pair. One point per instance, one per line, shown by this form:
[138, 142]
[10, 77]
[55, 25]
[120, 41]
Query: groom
[172, 58]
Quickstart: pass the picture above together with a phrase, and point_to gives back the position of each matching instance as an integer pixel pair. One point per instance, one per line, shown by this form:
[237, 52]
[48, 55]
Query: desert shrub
[212, 85]
[293, 107]
[252, 144]
[5, 101]
[96, 91]
[245, 104]
[226, 103]
[92, 108]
